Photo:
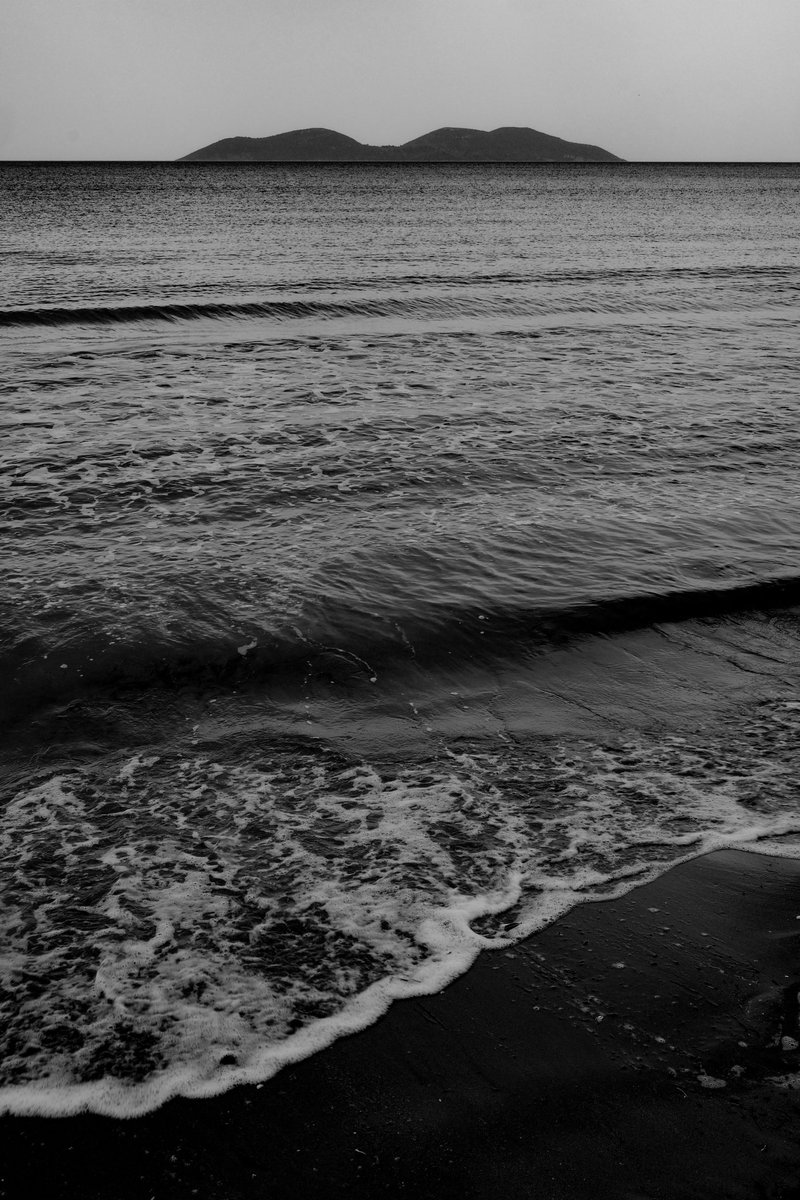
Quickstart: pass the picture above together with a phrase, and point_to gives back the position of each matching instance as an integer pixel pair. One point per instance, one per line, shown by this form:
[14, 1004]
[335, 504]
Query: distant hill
[509, 144]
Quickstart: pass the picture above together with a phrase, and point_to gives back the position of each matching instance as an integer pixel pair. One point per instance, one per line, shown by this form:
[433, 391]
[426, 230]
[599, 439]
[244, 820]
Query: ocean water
[394, 557]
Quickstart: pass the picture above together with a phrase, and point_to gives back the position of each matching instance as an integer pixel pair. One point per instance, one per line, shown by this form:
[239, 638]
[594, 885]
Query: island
[509, 144]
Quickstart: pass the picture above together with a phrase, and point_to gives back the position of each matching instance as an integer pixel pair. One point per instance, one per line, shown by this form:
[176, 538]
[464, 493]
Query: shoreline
[626, 1050]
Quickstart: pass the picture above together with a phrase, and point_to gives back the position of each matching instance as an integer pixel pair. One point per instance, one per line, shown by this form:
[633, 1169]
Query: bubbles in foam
[179, 924]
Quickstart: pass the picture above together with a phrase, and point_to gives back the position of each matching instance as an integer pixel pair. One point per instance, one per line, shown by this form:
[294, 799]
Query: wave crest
[343, 647]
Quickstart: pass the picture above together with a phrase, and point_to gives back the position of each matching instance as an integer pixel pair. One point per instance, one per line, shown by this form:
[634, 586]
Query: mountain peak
[448, 144]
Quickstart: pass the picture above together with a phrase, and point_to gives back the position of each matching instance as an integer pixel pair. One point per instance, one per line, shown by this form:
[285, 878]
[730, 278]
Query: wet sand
[588, 1061]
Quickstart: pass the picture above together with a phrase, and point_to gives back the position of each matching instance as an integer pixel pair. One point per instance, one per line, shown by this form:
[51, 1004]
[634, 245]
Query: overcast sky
[646, 79]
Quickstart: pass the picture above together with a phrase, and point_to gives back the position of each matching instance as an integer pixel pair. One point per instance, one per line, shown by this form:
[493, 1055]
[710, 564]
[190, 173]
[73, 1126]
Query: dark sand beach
[629, 1050]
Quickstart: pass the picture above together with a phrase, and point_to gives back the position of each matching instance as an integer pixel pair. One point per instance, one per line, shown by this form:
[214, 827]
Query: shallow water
[387, 548]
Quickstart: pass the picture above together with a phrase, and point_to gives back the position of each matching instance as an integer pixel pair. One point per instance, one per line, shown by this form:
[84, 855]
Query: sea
[394, 557]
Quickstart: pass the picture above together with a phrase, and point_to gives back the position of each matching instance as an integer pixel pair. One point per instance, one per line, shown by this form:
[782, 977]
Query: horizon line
[308, 162]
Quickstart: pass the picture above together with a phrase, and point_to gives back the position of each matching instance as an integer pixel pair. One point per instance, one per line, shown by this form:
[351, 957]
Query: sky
[669, 80]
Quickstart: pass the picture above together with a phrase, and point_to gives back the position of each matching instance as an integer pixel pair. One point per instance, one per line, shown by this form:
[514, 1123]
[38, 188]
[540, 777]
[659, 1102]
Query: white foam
[199, 923]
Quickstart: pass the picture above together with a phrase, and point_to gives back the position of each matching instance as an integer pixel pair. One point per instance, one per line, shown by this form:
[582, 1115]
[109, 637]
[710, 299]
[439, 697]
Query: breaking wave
[343, 644]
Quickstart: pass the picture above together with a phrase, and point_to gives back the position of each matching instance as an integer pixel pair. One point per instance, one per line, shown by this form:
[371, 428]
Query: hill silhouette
[507, 144]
